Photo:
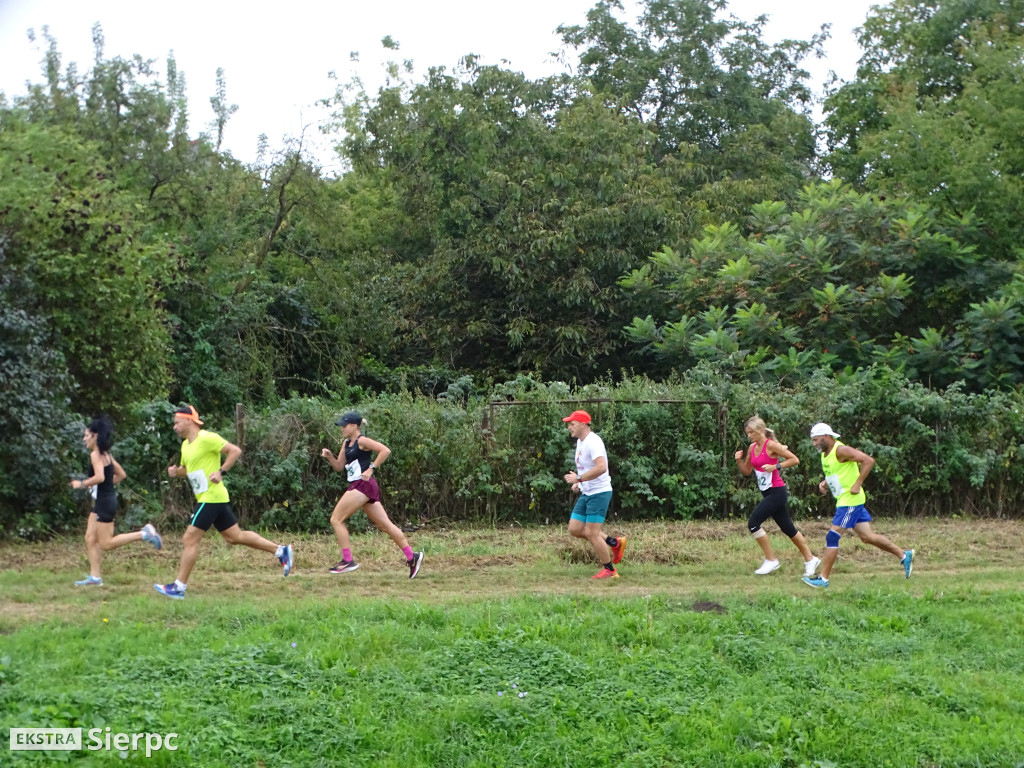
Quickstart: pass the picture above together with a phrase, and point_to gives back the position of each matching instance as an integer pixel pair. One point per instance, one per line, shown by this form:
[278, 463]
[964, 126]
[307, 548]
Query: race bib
[92, 490]
[197, 479]
[353, 470]
[832, 481]
[764, 479]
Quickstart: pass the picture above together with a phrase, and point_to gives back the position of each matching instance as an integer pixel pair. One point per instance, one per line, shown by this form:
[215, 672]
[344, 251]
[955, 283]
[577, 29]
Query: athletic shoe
[149, 534]
[287, 559]
[171, 590]
[414, 564]
[606, 573]
[811, 566]
[344, 566]
[908, 561]
[767, 567]
[90, 581]
[618, 550]
[816, 581]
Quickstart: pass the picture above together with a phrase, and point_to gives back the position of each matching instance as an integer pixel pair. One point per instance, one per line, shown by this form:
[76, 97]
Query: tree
[518, 216]
[730, 106]
[842, 279]
[78, 250]
[221, 110]
[935, 112]
[137, 123]
[38, 424]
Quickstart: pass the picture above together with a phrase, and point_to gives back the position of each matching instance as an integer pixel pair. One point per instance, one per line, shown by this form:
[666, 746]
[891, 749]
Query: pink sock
[346, 555]
[407, 551]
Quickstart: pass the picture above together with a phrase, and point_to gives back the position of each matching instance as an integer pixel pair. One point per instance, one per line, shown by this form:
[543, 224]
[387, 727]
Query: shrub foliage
[500, 458]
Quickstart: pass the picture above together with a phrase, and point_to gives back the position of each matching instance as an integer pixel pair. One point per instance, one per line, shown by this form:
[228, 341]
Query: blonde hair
[756, 423]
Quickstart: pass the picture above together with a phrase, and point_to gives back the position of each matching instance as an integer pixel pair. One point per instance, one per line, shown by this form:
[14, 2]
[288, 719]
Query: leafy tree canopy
[709, 87]
[841, 279]
[936, 109]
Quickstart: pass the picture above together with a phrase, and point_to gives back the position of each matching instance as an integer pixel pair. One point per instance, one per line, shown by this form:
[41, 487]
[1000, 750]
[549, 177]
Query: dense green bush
[38, 427]
[499, 459]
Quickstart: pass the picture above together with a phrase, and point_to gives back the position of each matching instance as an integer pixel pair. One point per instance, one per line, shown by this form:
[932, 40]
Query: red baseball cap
[581, 416]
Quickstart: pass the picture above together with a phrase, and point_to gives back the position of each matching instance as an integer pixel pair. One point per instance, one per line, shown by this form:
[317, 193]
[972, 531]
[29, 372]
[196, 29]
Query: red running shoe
[618, 550]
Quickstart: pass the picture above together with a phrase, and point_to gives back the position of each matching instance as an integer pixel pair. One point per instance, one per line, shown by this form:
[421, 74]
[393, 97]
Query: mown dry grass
[698, 561]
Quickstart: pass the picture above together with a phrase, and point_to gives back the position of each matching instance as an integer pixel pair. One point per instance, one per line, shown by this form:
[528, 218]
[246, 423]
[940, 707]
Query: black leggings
[774, 504]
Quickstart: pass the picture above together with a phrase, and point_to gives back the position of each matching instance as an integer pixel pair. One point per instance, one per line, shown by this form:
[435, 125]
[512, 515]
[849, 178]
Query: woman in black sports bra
[356, 459]
[106, 473]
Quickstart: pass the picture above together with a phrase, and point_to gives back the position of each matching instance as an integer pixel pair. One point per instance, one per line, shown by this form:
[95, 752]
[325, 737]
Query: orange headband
[192, 415]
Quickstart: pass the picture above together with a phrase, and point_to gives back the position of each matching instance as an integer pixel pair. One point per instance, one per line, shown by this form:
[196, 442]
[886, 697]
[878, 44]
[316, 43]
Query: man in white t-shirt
[594, 483]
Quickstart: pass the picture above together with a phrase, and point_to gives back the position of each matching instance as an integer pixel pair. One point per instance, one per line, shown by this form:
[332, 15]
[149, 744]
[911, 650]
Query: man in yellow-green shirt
[202, 465]
[845, 470]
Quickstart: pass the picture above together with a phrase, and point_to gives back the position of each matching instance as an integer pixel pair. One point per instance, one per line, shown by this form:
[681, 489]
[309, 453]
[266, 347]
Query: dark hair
[103, 428]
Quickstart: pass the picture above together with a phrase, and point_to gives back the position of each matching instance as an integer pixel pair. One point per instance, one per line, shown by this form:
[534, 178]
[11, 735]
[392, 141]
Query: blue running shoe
[90, 581]
[171, 590]
[149, 534]
[908, 561]
[816, 581]
[286, 558]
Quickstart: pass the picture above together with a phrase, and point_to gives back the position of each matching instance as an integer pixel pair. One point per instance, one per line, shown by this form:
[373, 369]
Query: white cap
[821, 428]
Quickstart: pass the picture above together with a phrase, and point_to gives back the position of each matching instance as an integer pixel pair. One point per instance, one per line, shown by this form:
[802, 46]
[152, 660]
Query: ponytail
[103, 428]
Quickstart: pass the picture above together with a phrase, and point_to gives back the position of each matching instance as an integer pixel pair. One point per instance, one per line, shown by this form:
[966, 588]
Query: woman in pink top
[765, 457]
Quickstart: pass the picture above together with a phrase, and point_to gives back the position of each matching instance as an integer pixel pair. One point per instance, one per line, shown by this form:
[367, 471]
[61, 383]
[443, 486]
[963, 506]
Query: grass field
[687, 660]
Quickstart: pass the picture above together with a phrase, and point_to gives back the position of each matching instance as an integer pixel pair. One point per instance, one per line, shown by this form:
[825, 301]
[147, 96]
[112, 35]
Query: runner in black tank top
[106, 474]
[356, 460]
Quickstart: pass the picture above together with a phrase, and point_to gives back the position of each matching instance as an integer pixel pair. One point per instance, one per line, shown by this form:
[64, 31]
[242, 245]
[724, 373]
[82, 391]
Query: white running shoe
[149, 534]
[767, 567]
[811, 566]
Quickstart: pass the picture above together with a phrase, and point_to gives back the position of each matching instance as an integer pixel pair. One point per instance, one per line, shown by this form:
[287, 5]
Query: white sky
[276, 58]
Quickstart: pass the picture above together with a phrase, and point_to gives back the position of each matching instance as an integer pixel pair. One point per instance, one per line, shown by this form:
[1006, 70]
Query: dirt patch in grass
[706, 606]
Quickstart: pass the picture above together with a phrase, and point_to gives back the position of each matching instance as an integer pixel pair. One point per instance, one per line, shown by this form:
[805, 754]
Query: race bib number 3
[353, 471]
[835, 486]
[197, 479]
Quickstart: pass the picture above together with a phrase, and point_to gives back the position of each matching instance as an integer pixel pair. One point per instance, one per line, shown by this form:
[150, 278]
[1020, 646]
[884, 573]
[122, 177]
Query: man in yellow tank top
[845, 470]
[202, 464]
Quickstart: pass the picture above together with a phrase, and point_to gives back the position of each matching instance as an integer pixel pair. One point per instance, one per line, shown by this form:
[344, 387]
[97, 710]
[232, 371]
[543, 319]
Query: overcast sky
[276, 59]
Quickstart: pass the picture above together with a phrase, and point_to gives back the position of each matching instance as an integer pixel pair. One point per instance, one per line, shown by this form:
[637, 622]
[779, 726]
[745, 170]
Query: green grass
[687, 660]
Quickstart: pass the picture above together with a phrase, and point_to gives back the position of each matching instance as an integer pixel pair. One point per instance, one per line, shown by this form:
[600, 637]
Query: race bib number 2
[197, 479]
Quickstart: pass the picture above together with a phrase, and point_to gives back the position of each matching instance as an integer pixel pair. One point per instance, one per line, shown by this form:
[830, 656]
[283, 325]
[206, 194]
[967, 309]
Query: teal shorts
[593, 508]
